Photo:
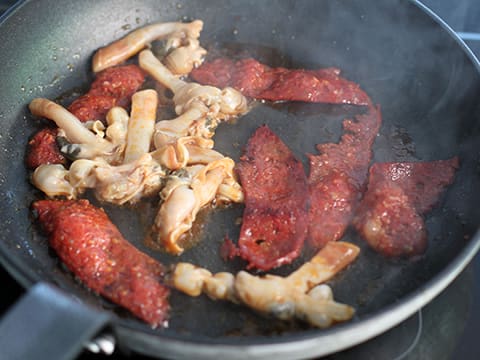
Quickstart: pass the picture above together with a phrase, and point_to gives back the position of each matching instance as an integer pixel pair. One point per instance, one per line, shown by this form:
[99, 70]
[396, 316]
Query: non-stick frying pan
[408, 61]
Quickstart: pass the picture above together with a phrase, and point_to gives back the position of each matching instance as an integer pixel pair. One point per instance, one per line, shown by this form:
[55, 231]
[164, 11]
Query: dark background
[447, 328]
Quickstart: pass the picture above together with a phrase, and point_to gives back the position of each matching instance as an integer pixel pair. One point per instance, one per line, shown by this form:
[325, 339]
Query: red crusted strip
[92, 107]
[43, 149]
[111, 87]
[389, 217]
[259, 81]
[275, 218]
[94, 250]
[337, 177]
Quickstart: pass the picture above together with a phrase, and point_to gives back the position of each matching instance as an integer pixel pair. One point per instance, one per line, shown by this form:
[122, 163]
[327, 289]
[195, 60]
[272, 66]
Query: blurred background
[448, 327]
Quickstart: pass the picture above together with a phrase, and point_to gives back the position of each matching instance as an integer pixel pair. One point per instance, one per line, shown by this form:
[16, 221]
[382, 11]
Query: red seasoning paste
[91, 246]
[337, 178]
[262, 82]
[274, 223]
[390, 215]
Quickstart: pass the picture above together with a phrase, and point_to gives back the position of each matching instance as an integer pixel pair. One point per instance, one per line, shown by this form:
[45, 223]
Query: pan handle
[47, 323]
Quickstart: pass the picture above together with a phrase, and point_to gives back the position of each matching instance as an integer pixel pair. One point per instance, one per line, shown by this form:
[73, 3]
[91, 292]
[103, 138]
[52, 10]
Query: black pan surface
[410, 63]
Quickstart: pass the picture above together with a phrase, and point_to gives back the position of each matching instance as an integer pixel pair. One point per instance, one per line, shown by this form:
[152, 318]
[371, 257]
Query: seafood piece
[177, 34]
[141, 124]
[182, 60]
[194, 281]
[185, 193]
[191, 123]
[52, 179]
[117, 120]
[115, 184]
[301, 294]
[73, 129]
[112, 87]
[200, 108]
[278, 295]
[185, 151]
[129, 182]
[318, 311]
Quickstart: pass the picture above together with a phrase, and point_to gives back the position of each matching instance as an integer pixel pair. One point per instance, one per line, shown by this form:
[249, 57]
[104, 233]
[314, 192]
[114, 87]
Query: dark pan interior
[425, 82]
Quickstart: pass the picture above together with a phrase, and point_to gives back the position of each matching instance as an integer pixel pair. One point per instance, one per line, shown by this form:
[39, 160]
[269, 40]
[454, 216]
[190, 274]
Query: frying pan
[425, 79]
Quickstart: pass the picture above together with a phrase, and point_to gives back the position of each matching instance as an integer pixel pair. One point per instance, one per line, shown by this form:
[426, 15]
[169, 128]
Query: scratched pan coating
[410, 63]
